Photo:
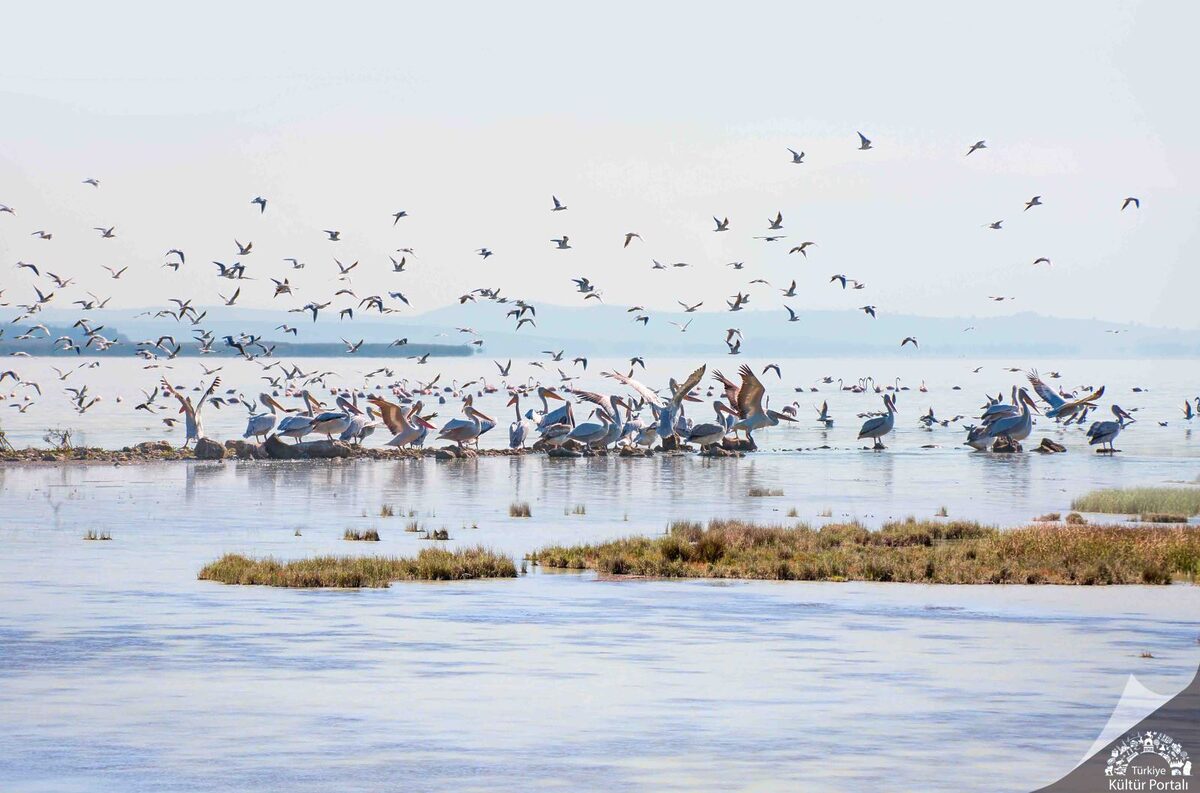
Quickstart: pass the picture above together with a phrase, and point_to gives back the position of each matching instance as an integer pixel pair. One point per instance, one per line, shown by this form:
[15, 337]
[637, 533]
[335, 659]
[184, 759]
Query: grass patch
[370, 535]
[1141, 501]
[793, 513]
[941, 552]
[1049, 517]
[579, 509]
[1162, 517]
[764, 492]
[942, 512]
[519, 509]
[92, 534]
[412, 525]
[1075, 519]
[431, 564]
[387, 511]
[436, 534]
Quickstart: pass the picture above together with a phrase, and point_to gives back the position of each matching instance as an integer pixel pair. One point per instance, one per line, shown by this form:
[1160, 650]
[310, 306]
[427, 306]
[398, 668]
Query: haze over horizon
[652, 122]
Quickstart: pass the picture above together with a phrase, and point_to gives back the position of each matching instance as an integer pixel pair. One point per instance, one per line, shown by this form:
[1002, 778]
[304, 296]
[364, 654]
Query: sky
[640, 117]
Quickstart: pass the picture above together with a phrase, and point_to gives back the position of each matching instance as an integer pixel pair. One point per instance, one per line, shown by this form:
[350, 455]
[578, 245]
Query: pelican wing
[644, 391]
[687, 385]
[731, 388]
[390, 412]
[871, 425]
[750, 395]
[590, 396]
[1044, 391]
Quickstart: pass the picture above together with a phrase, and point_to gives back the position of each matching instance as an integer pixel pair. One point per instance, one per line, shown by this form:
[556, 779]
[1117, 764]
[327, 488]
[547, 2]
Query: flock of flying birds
[614, 419]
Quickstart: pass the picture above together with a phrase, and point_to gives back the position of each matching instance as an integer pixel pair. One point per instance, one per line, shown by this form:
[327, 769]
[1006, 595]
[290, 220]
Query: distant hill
[610, 330]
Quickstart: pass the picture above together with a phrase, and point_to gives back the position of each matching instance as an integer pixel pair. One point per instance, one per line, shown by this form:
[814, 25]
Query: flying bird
[913, 339]
[864, 142]
[979, 144]
[1137, 204]
[262, 203]
[797, 157]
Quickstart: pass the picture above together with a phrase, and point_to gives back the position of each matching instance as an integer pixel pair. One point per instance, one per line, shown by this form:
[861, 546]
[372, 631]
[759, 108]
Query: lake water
[120, 671]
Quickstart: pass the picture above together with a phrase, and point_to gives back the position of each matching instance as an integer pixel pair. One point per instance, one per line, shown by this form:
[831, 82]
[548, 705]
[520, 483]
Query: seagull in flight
[1137, 204]
[484, 252]
[995, 224]
[262, 203]
[563, 242]
[722, 225]
[106, 233]
[864, 142]
[979, 144]
[1036, 201]
[92, 182]
[776, 223]
[797, 157]
[913, 339]
[689, 309]
[334, 236]
[791, 314]
[558, 205]
[802, 248]
[397, 215]
[868, 309]
[1041, 259]
[630, 235]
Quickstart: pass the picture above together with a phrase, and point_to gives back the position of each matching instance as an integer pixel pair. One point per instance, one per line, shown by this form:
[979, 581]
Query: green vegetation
[519, 509]
[942, 552]
[370, 535]
[1141, 500]
[430, 564]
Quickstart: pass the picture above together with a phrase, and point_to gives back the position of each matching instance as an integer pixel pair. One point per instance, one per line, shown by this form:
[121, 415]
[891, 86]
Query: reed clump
[764, 492]
[412, 525]
[942, 552]
[92, 534]
[1049, 517]
[431, 564]
[370, 535]
[519, 509]
[1162, 517]
[436, 534]
[387, 511]
[1141, 501]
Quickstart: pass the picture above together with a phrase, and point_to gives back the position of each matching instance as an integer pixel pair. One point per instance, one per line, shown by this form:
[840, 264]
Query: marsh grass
[793, 513]
[942, 512]
[387, 511]
[764, 492]
[825, 513]
[519, 509]
[92, 534]
[1075, 519]
[579, 509]
[942, 552]
[370, 535]
[1141, 500]
[436, 534]
[1162, 517]
[1049, 517]
[412, 525]
[431, 564]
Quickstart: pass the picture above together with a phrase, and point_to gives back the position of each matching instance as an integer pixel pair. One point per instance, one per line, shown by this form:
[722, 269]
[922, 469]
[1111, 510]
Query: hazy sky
[640, 117]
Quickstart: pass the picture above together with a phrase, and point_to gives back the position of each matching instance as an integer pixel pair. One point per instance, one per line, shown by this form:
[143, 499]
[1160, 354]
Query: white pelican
[592, 433]
[468, 429]
[710, 433]
[298, 426]
[407, 428]
[751, 410]
[262, 424]
[1061, 408]
[1017, 426]
[879, 426]
[194, 429]
[1102, 432]
[518, 431]
[331, 422]
[551, 417]
[361, 424]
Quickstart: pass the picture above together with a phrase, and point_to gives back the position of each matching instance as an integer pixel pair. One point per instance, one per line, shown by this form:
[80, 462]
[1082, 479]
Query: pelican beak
[483, 415]
[511, 402]
[554, 395]
[690, 398]
[424, 423]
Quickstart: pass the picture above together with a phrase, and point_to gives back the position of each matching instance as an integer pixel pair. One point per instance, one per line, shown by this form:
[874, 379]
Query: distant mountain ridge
[610, 331]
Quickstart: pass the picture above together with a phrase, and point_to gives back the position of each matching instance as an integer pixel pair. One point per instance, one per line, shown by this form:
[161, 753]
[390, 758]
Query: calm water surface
[120, 671]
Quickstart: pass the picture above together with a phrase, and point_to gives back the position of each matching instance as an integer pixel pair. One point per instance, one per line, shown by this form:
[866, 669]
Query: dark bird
[262, 203]
[913, 339]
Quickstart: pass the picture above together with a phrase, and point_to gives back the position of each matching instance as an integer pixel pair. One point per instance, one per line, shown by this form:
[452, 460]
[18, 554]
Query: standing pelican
[551, 417]
[468, 429]
[298, 426]
[710, 433]
[879, 426]
[261, 424]
[1102, 432]
[1017, 426]
[407, 429]
[751, 408]
[518, 431]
